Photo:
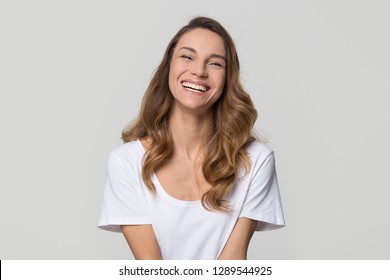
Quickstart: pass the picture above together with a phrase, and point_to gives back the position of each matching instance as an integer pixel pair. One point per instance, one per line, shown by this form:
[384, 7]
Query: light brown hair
[234, 117]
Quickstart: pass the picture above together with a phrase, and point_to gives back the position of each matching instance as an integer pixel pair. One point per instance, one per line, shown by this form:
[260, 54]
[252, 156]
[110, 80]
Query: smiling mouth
[194, 87]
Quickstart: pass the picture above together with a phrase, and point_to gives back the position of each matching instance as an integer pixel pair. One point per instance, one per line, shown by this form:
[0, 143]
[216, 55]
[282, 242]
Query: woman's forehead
[202, 40]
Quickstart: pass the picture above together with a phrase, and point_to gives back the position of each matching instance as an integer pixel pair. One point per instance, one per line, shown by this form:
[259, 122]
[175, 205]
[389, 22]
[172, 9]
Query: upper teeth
[194, 86]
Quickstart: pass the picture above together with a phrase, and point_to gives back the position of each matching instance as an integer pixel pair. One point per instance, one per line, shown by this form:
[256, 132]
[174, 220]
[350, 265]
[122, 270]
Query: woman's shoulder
[132, 149]
[257, 148]
[259, 153]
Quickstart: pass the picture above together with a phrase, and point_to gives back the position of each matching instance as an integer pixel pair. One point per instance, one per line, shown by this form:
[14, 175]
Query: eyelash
[215, 64]
[186, 57]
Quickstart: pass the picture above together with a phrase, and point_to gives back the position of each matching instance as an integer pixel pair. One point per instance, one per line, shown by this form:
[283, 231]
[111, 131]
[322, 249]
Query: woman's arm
[142, 242]
[237, 245]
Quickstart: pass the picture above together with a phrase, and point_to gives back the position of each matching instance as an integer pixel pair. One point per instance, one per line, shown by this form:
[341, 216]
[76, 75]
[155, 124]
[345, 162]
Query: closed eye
[216, 64]
[186, 57]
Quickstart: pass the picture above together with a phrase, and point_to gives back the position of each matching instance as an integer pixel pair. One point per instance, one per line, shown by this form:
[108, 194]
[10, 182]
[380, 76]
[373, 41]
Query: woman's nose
[199, 69]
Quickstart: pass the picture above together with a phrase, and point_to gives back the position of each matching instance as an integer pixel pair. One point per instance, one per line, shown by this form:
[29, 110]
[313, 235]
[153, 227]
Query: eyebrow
[214, 55]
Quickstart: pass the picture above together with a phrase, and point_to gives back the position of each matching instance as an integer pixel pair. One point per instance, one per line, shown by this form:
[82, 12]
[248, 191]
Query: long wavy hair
[234, 118]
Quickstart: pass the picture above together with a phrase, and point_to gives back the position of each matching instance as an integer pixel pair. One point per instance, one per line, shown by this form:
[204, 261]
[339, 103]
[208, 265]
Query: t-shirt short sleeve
[123, 202]
[263, 202]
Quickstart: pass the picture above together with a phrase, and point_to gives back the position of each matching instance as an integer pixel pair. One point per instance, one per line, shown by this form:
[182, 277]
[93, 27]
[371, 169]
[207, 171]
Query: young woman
[191, 180]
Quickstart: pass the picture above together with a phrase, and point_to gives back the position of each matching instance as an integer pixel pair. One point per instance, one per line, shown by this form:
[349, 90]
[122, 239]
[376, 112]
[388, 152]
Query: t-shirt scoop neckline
[160, 189]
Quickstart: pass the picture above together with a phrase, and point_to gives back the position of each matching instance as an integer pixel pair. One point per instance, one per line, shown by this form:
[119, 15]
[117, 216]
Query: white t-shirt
[185, 229]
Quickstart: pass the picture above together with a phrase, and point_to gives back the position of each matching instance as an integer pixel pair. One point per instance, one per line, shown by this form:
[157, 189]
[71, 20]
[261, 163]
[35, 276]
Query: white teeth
[194, 86]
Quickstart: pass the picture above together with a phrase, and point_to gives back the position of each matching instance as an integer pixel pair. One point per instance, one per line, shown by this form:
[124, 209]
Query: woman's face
[197, 70]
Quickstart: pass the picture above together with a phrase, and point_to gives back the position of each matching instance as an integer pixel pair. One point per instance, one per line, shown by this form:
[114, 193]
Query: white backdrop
[72, 74]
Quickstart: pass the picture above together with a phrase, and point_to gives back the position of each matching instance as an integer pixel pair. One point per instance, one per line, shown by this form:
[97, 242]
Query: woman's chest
[183, 181]
[190, 231]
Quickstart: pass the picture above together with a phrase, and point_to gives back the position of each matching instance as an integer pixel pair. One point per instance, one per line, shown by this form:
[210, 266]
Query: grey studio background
[72, 74]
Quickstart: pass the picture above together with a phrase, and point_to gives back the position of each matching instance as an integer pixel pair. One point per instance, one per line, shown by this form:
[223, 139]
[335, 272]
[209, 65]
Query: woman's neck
[190, 132]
